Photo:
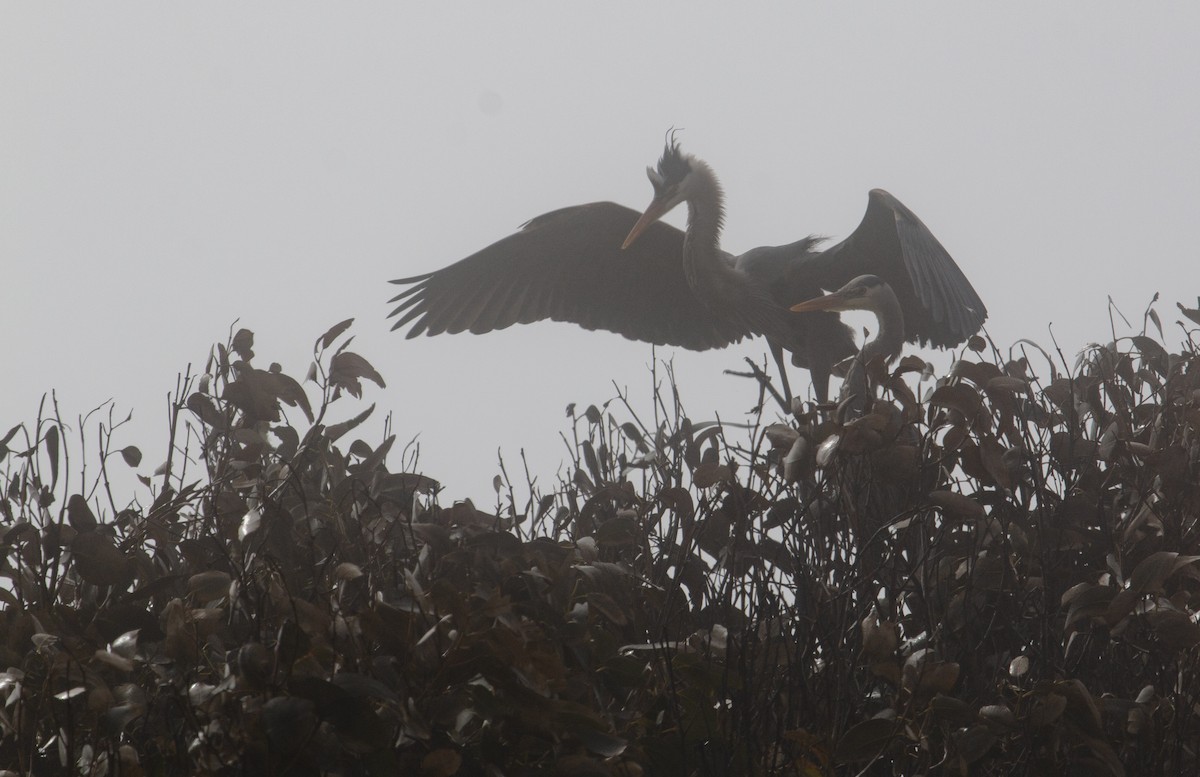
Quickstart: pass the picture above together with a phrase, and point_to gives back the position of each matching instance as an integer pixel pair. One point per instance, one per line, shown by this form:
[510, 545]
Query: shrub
[997, 575]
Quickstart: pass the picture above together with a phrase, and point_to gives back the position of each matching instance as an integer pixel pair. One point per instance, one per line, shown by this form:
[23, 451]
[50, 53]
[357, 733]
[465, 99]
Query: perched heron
[866, 292]
[604, 266]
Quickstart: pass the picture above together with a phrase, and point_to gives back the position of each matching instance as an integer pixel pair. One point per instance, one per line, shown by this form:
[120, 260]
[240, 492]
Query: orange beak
[655, 211]
[827, 302]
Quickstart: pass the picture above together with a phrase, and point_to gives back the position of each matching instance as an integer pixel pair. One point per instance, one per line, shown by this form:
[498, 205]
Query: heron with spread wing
[605, 266]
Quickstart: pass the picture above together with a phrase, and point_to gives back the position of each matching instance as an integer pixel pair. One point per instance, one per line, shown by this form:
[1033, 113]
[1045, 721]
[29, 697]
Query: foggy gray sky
[166, 169]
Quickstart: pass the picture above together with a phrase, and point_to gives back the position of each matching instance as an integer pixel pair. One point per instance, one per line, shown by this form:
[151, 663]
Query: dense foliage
[994, 572]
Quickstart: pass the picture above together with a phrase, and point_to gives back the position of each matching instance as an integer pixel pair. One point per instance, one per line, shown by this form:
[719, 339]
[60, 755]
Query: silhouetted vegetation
[993, 572]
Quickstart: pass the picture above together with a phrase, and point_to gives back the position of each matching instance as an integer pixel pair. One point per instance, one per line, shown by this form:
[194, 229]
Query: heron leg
[777, 353]
[820, 373]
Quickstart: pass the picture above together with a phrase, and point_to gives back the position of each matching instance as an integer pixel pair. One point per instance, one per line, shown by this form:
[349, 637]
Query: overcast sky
[166, 169]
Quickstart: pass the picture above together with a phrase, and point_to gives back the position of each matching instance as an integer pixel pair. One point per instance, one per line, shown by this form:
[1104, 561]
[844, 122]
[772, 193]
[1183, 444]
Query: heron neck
[706, 215]
[889, 341]
[886, 344]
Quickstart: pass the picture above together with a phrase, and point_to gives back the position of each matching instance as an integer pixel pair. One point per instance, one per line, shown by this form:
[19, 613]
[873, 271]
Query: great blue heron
[866, 292]
[603, 266]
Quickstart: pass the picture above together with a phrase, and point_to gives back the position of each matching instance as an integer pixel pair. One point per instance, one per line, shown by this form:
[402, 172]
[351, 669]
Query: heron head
[672, 180]
[863, 293]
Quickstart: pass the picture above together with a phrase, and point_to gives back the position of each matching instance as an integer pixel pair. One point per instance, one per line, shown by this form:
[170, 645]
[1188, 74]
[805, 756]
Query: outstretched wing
[568, 265]
[940, 306]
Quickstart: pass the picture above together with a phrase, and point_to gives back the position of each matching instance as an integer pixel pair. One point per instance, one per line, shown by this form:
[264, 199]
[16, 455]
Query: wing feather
[941, 308]
[568, 265]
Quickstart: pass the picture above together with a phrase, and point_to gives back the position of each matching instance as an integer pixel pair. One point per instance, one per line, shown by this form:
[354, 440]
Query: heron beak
[834, 301]
[655, 211]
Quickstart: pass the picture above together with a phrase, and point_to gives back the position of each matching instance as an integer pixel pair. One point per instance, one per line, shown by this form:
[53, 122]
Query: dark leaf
[634, 434]
[600, 743]
[11, 433]
[99, 561]
[866, 740]
[360, 728]
[333, 432]
[363, 686]
[710, 473]
[404, 484]
[1192, 314]
[79, 514]
[973, 743]
[1174, 628]
[52, 451]
[288, 390]
[324, 341]
[604, 604]
[347, 367]
[290, 721]
[957, 396]
[910, 363]
[1152, 353]
[441, 763]
[1150, 574]
[132, 455]
[206, 410]
[1154, 317]
[1046, 708]
[289, 441]
[621, 530]
[593, 464]
[956, 504]
[243, 344]
[209, 586]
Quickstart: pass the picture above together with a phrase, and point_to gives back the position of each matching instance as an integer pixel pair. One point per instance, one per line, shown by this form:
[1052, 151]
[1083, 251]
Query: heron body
[605, 266]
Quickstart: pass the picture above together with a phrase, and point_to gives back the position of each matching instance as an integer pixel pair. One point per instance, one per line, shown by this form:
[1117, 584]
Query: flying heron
[604, 266]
